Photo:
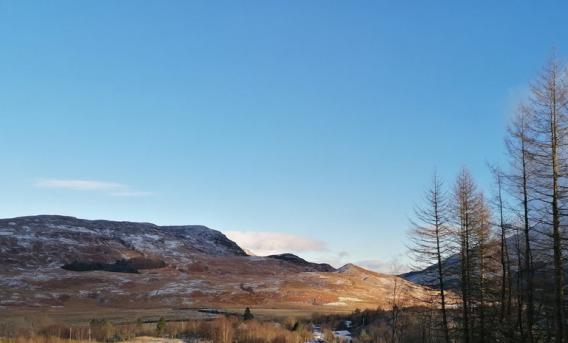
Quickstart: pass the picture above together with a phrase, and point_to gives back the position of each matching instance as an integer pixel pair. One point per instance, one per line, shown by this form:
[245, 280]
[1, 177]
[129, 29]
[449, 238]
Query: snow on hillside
[61, 261]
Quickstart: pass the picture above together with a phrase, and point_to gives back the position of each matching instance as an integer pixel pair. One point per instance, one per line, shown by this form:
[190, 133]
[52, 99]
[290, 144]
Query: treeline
[131, 265]
[410, 325]
[224, 329]
[500, 257]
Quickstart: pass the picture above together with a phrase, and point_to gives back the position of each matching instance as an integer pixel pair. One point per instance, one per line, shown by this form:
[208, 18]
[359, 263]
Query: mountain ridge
[121, 264]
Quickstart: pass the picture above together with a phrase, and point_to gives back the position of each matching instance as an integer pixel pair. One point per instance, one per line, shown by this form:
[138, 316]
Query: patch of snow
[342, 335]
[154, 237]
[336, 303]
[257, 258]
[67, 241]
[15, 282]
[173, 244]
[349, 299]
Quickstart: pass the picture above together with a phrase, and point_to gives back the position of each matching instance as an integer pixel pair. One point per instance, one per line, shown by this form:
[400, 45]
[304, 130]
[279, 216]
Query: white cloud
[391, 266]
[376, 265]
[111, 188]
[131, 194]
[269, 243]
[336, 259]
[78, 185]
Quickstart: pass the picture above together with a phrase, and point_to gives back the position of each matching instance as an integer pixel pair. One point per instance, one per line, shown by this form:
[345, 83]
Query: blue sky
[317, 123]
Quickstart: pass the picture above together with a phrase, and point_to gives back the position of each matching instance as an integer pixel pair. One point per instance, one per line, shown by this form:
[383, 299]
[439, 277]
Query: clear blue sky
[318, 119]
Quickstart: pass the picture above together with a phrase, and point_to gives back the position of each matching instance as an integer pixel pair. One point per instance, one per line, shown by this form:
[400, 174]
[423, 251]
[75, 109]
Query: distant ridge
[322, 267]
[353, 269]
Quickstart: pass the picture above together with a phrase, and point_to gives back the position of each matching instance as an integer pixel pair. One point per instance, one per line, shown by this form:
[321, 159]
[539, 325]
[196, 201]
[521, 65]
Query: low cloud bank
[110, 188]
[270, 243]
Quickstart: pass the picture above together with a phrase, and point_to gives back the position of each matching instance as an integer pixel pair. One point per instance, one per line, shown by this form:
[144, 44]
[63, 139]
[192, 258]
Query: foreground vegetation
[224, 329]
[408, 324]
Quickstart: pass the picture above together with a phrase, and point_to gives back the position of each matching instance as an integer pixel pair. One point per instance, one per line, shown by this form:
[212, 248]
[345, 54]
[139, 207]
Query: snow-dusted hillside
[515, 244]
[40, 241]
[57, 261]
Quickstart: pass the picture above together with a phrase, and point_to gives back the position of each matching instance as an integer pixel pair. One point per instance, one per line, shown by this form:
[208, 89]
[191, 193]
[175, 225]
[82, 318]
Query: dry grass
[219, 330]
[147, 339]
[40, 339]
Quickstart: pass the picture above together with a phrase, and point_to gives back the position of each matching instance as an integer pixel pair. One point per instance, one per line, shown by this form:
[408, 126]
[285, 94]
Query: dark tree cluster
[120, 266]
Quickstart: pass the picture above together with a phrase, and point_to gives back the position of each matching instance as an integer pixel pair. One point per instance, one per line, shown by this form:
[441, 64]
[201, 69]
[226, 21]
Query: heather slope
[166, 267]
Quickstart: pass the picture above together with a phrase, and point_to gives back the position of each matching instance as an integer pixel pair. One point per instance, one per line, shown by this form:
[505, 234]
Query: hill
[65, 262]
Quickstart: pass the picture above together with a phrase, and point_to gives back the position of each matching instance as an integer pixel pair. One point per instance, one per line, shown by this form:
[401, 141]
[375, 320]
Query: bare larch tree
[547, 144]
[430, 244]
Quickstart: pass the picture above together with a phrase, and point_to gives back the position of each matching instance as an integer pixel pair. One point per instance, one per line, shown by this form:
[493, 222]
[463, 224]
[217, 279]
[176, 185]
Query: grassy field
[79, 315]
[55, 325]
[282, 313]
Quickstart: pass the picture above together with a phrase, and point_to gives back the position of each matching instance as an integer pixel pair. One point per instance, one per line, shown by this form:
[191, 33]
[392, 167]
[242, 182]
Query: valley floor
[82, 315]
